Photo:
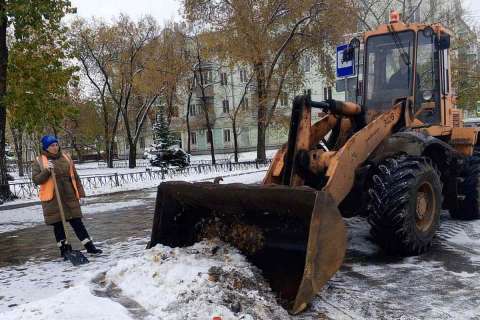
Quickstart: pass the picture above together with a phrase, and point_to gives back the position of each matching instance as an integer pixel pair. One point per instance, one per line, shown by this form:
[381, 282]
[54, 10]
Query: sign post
[344, 68]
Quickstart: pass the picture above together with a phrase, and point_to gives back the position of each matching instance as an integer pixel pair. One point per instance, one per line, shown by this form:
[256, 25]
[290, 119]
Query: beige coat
[71, 206]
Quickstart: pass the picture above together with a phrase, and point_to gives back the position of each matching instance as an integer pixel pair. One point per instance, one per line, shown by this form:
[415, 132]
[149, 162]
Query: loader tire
[469, 207]
[405, 198]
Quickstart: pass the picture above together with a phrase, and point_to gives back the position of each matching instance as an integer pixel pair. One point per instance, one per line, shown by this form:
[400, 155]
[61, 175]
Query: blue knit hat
[47, 141]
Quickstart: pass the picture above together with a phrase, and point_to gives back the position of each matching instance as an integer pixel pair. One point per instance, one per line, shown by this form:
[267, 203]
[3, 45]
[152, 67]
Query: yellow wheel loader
[398, 157]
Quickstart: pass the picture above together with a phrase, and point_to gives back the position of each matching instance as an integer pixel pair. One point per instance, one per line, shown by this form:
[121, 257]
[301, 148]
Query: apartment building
[230, 95]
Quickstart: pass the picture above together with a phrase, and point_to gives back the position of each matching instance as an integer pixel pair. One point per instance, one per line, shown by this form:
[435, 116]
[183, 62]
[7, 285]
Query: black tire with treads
[469, 207]
[393, 191]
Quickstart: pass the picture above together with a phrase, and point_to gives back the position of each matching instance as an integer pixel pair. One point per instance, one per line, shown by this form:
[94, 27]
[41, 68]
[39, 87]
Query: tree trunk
[18, 145]
[212, 148]
[106, 136]
[110, 153]
[110, 140]
[5, 193]
[189, 142]
[262, 111]
[235, 140]
[132, 155]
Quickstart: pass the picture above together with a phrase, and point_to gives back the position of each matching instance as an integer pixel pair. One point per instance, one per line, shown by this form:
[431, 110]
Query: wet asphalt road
[38, 242]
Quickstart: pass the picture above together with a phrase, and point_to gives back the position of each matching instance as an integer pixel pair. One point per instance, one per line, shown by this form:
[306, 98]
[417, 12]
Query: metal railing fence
[29, 189]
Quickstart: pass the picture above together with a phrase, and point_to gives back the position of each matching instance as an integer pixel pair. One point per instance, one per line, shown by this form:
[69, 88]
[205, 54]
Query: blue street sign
[344, 68]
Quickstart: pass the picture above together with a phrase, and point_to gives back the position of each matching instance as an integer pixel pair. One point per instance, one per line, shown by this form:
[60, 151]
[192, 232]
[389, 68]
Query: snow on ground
[199, 282]
[86, 169]
[153, 183]
[40, 286]
[105, 189]
[74, 303]
[442, 283]
[214, 277]
[93, 168]
[211, 279]
[242, 156]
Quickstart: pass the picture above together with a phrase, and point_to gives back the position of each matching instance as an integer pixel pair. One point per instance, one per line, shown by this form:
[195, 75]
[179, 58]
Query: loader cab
[407, 61]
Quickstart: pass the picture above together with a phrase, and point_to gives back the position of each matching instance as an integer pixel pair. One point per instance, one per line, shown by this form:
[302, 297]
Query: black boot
[91, 248]
[65, 247]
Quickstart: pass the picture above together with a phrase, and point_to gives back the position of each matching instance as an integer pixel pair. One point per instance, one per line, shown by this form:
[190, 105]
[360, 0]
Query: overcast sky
[473, 8]
[165, 10]
[162, 10]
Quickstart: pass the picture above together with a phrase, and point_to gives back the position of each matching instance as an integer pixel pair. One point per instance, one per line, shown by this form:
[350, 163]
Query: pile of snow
[199, 282]
[205, 280]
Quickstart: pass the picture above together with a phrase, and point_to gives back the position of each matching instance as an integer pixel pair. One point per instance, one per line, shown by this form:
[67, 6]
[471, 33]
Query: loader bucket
[295, 236]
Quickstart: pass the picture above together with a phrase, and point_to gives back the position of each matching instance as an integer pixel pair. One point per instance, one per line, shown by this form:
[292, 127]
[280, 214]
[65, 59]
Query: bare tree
[266, 34]
[118, 55]
[204, 83]
[94, 47]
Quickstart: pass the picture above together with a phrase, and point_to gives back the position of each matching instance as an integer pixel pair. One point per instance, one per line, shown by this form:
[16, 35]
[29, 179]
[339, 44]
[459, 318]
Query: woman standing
[70, 189]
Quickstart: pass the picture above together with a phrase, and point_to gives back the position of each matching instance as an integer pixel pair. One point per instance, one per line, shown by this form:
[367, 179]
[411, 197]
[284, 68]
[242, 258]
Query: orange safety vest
[47, 189]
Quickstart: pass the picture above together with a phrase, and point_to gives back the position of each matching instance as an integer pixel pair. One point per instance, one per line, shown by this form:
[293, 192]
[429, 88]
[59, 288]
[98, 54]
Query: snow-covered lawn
[93, 168]
[242, 156]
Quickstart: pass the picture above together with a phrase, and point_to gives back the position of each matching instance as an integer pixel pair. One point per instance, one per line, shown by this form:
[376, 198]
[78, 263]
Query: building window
[142, 142]
[223, 79]
[245, 136]
[193, 137]
[207, 77]
[283, 99]
[226, 135]
[193, 110]
[243, 75]
[307, 62]
[226, 106]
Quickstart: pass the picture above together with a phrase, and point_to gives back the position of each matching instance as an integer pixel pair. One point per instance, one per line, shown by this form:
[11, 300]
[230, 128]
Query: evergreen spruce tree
[163, 153]
[162, 135]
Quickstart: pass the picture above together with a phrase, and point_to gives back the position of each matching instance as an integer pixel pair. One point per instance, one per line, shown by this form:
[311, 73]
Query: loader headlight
[427, 95]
